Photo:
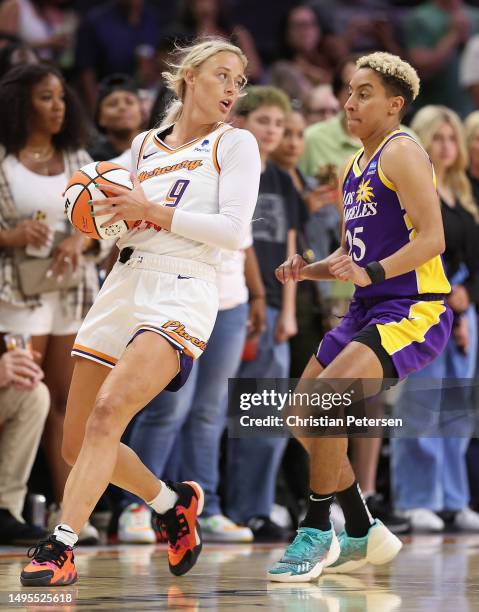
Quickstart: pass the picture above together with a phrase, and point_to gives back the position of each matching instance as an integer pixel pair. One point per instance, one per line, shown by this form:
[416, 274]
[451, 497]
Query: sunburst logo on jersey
[365, 192]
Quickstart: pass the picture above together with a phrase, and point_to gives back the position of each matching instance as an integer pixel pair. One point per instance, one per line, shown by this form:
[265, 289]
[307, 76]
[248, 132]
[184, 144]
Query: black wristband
[376, 272]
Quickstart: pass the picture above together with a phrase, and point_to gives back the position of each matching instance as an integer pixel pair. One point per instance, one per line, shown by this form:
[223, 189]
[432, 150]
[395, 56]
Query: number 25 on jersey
[356, 247]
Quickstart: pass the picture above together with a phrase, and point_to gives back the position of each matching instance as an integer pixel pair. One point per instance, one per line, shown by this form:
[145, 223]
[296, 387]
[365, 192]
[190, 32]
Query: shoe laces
[174, 524]
[49, 550]
[305, 542]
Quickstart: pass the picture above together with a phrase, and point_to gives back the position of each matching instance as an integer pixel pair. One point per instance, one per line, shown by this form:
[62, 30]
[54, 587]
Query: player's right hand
[28, 232]
[291, 269]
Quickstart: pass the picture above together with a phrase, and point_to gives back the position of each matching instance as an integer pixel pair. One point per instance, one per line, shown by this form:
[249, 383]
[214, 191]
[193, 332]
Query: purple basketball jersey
[376, 226]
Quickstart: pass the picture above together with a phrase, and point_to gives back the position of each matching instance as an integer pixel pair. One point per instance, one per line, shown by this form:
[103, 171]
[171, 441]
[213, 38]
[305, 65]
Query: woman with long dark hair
[41, 143]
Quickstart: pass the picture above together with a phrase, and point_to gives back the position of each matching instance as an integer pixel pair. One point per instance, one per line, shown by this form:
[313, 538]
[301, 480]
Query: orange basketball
[81, 189]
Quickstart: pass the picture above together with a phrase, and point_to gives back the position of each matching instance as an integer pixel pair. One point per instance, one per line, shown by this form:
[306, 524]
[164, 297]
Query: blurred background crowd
[79, 79]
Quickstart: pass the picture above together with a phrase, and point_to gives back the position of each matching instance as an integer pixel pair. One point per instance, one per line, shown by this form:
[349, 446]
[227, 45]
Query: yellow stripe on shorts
[422, 317]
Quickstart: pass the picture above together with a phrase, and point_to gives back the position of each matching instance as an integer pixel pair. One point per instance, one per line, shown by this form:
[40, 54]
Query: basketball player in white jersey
[194, 193]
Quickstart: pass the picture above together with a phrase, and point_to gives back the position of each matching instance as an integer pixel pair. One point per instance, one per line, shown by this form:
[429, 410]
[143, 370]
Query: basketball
[81, 190]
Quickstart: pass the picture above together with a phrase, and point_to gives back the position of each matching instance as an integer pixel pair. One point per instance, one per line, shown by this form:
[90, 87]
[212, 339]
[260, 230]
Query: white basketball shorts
[173, 297]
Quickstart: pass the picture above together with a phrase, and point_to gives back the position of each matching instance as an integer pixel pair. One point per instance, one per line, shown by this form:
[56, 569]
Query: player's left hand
[345, 269]
[125, 204]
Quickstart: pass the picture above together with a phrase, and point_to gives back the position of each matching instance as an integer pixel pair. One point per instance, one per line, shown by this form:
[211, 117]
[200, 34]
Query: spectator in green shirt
[435, 33]
[328, 142]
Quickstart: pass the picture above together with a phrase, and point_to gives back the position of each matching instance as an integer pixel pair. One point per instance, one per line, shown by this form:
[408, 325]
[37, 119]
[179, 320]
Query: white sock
[65, 534]
[165, 500]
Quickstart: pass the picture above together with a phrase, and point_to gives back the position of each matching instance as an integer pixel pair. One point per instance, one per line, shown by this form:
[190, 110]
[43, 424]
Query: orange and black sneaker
[52, 564]
[181, 525]
[160, 532]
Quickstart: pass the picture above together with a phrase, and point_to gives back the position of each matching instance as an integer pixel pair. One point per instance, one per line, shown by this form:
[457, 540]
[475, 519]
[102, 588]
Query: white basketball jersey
[186, 178]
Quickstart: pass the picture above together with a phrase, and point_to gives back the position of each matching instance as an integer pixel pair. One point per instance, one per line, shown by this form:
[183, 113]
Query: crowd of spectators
[78, 80]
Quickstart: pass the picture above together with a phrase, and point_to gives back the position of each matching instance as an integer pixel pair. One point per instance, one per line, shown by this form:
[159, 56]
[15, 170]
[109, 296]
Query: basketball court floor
[432, 573]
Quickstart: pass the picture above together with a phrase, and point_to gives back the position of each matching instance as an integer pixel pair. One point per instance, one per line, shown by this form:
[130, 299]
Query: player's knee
[104, 421]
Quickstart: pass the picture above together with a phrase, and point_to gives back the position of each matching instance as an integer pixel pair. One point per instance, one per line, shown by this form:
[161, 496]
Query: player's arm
[286, 324]
[240, 170]
[295, 268]
[407, 166]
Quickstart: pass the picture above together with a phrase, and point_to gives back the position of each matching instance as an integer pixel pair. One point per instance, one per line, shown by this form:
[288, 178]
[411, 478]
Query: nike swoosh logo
[65, 530]
[183, 277]
[312, 498]
[149, 155]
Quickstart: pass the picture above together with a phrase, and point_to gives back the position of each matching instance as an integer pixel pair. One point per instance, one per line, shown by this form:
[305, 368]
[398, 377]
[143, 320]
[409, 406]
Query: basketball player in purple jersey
[398, 320]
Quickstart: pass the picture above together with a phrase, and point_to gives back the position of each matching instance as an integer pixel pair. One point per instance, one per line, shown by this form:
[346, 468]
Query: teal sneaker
[305, 558]
[377, 547]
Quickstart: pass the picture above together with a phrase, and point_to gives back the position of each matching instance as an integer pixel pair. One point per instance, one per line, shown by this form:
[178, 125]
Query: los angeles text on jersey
[357, 206]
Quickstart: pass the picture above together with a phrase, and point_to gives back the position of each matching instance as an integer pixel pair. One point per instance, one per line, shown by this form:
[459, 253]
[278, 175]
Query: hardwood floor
[432, 573]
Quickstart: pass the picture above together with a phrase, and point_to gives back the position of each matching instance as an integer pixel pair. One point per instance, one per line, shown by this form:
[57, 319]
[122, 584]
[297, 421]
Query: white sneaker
[281, 516]
[467, 520]
[134, 525]
[88, 536]
[423, 519]
[219, 528]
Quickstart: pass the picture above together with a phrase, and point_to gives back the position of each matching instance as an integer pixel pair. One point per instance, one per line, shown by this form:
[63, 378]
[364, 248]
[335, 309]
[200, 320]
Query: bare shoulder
[405, 148]
[404, 157]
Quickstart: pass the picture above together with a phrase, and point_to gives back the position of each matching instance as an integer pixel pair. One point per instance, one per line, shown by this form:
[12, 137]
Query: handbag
[31, 272]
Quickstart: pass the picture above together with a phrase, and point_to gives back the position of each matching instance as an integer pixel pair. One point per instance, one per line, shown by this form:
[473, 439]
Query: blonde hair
[191, 58]
[426, 122]
[471, 127]
[394, 68]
